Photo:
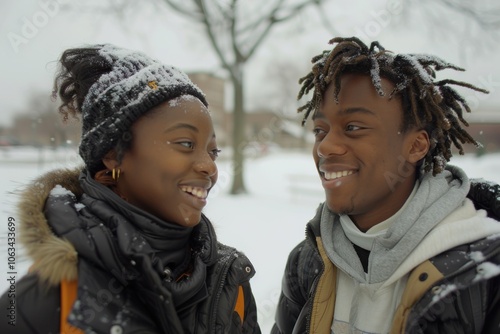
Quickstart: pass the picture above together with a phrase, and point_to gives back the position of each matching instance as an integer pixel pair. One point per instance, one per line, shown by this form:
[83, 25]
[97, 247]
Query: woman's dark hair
[79, 69]
[427, 104]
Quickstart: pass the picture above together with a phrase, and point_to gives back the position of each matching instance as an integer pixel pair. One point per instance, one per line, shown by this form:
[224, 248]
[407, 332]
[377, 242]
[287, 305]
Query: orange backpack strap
[68, 297]
[240, 304]
[69, 291]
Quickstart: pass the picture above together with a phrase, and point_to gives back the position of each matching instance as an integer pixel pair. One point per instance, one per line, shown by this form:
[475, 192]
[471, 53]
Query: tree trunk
[239, 143]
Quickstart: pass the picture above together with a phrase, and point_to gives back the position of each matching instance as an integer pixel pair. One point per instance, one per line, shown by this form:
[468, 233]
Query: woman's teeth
[196, 192]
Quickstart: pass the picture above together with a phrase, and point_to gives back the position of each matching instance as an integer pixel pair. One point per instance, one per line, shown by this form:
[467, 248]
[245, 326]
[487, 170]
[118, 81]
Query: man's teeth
[336, 175]
[197, 192]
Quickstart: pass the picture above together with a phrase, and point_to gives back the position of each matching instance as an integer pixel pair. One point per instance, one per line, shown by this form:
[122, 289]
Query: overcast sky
[34, 33]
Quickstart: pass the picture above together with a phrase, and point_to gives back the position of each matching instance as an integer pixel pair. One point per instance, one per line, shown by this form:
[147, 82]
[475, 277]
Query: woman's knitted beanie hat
[135, 84]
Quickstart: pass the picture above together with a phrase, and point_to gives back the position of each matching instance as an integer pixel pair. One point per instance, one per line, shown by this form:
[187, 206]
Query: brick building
[214, 89]
[484, 126]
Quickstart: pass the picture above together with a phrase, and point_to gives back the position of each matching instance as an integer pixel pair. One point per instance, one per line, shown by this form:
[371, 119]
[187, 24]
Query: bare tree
[235, 31]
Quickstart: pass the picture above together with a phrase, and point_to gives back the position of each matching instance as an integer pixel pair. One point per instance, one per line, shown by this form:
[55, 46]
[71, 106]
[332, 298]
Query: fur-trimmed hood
[54, 259]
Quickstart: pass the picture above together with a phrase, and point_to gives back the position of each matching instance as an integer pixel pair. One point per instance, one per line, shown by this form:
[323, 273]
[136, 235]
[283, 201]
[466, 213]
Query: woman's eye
[215, 152]
[188, 144]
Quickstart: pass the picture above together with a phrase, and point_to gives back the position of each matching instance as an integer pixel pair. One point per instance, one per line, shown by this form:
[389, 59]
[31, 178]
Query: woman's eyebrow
[182, 126]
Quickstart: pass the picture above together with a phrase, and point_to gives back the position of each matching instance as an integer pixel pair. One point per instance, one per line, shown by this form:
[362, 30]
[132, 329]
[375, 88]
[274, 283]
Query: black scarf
[167, 243]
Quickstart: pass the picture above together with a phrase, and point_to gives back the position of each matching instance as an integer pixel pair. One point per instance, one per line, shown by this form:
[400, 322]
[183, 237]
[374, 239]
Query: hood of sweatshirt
[436, 198]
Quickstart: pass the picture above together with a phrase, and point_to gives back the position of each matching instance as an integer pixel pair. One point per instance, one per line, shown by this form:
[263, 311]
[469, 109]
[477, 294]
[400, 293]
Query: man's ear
[420, 145]
[110, 160]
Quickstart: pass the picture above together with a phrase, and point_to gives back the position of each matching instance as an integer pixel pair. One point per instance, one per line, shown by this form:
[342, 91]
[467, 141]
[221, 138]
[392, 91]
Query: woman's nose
[206, 165]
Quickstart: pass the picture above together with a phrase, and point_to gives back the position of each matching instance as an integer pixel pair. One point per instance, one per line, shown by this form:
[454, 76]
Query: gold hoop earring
[115, 173]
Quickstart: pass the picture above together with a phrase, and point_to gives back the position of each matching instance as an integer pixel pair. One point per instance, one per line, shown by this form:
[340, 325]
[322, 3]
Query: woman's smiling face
[170, 167]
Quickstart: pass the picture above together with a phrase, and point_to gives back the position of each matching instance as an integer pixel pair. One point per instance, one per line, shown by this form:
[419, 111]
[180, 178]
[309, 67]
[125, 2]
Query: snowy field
[265, 224]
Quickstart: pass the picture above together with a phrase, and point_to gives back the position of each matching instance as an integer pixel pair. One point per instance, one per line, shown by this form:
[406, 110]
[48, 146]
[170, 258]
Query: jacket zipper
[314, 285]
[221, 278]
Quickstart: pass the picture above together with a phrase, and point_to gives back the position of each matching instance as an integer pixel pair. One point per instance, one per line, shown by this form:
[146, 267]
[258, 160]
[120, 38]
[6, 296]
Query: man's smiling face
[365, 161]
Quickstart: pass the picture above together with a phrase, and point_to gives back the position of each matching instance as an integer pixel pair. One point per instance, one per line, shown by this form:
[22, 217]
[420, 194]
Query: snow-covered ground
[265, 224]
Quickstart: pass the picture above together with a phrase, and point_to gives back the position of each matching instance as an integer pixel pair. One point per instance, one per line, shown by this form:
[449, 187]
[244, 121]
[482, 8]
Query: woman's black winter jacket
[117, 293]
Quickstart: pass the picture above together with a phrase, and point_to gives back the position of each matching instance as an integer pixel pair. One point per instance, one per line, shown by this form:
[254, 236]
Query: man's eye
[318, 131]
[352, 127]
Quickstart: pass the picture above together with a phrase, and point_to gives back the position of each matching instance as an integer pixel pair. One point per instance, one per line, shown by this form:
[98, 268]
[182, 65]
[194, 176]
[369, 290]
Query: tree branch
[211, 35]
[196, 15]
[234, 35]
[253, 25]
[294, 10]
[272, 19]
[480, 17]
[324, 20]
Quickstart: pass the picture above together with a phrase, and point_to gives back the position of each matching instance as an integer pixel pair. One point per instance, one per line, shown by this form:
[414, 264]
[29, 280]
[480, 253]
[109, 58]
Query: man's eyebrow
[318, 114]
[182, 126]
[348, 111]
[356, 110]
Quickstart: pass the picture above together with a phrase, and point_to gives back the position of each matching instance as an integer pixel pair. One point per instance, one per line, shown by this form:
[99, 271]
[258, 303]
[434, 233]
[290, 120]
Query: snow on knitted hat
[135, 84]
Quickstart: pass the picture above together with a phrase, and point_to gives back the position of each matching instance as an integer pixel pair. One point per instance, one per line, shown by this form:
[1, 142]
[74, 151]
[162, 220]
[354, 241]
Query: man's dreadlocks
[427, 104]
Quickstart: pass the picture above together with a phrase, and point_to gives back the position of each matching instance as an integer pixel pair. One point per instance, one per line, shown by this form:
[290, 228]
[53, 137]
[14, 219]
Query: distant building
[484, 126]
[268, 127]
[214, 89]
[262, 127]
[45, 129]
